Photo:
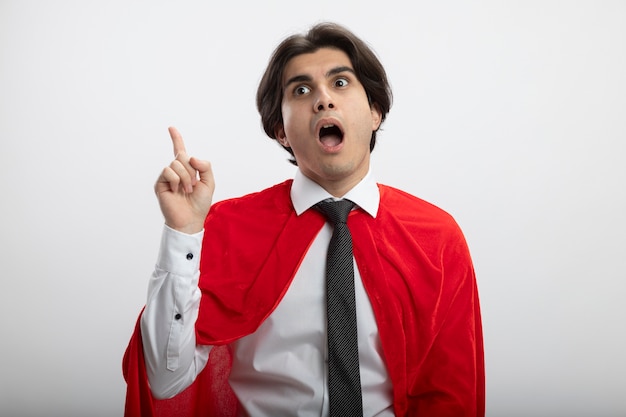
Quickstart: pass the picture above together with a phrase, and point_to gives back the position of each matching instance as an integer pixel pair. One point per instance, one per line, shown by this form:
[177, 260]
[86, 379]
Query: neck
[337, 182]
[339, 188]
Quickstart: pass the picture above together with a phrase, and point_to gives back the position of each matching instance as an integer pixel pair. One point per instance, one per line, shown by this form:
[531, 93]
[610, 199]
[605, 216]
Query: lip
[328, 121]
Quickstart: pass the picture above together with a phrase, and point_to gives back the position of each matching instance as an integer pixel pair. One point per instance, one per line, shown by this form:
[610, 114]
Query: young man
[236, 318]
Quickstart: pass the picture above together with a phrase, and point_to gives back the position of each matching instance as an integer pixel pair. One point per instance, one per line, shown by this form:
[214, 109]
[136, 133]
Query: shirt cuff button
[177, 316]
[189, 256]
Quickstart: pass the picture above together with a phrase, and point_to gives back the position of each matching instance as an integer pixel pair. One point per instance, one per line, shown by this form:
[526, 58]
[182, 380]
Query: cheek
[287, 113]
[294, 122]
[366, 125]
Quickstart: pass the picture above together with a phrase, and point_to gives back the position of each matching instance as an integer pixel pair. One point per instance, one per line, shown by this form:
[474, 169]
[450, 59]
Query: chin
[337, 172]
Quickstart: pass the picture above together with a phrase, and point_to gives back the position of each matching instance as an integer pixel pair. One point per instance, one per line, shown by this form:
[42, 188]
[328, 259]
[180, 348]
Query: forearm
[168, 322]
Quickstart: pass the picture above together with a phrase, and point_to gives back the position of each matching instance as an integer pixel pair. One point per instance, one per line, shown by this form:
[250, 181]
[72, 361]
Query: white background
[511, 115]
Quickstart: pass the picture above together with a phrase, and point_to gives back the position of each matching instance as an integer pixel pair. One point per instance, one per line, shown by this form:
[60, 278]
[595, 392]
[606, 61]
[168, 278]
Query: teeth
[327, 126]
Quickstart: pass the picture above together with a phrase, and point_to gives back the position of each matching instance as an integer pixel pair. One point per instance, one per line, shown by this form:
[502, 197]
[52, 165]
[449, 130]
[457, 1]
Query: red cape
[415, 267]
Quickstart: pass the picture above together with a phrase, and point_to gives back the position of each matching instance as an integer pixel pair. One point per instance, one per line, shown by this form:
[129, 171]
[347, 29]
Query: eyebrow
[307, 78]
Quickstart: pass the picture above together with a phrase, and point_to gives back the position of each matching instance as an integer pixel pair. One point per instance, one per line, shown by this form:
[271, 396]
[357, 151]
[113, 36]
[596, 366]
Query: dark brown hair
[367, 67]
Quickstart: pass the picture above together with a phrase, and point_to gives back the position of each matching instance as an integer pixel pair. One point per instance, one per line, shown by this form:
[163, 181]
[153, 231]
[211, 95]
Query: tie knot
[335, 211]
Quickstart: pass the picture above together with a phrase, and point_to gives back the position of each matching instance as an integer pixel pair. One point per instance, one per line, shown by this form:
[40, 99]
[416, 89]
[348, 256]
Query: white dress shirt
[281, 368]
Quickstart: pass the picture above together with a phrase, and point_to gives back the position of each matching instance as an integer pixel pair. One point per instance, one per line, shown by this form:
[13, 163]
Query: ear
[281, 137]
[377, 116]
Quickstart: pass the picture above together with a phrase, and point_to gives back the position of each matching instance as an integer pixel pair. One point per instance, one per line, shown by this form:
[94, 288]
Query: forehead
[316, 63]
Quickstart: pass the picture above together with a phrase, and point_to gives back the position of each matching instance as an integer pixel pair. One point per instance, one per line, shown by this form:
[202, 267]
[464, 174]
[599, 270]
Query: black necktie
[344, 382]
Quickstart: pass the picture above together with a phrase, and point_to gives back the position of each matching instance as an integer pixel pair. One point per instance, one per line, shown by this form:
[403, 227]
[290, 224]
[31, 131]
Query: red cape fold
[415, 267]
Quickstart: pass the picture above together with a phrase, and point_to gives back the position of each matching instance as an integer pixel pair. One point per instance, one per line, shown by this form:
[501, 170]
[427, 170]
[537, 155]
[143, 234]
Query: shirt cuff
[179, 252]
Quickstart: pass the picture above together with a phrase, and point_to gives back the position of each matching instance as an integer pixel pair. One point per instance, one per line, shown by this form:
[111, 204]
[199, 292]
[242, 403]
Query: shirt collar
[305, 193]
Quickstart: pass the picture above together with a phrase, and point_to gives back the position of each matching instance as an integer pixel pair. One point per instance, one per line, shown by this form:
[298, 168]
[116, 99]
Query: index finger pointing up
[177, 141]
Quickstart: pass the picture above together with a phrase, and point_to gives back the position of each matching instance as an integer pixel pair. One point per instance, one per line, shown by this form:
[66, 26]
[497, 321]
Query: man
[248, 334]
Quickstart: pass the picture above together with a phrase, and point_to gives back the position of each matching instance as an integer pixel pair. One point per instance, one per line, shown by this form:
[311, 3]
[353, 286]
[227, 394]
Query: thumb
[203, 168]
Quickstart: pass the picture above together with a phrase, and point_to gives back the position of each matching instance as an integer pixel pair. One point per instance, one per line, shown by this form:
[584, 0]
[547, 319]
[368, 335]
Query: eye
[341, 82]
[301, 90]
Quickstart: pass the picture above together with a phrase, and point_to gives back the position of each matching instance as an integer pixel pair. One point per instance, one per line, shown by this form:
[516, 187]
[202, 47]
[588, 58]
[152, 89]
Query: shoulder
[419, 218]
[275, 198]
[256, 216]
[401, 204]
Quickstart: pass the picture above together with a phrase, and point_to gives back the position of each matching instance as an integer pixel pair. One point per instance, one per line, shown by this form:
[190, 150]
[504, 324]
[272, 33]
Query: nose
[324, 101]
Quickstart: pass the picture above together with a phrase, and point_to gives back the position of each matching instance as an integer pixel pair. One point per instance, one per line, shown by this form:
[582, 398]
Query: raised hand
[185, 189]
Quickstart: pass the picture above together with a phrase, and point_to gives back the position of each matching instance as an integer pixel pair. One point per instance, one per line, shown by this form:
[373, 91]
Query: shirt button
[177, 316]
[189, 256]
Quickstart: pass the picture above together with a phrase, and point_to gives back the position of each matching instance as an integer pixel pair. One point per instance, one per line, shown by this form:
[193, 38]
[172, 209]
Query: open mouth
[330, 135]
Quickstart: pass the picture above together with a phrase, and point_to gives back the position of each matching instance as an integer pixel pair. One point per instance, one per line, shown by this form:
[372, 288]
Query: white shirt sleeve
[168, 322]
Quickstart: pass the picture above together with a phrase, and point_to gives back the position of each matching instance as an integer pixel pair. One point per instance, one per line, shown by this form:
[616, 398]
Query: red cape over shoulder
[415, 267]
